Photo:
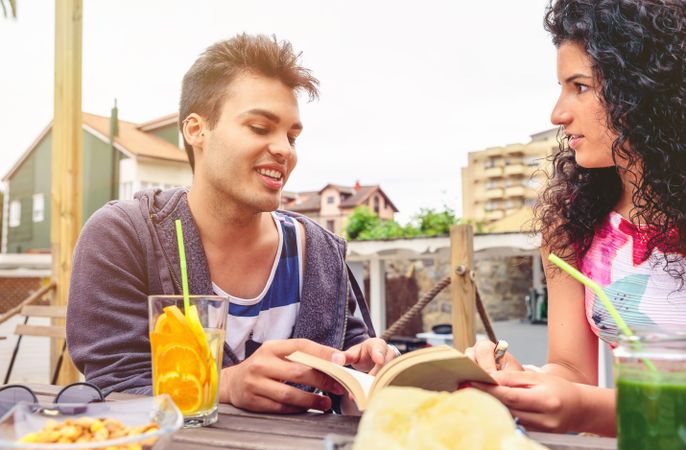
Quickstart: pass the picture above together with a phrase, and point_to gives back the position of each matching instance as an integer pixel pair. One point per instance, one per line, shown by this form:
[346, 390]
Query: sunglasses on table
[81, 393]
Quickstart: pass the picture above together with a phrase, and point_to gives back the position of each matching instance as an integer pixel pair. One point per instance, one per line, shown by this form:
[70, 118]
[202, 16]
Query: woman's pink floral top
[634, 279]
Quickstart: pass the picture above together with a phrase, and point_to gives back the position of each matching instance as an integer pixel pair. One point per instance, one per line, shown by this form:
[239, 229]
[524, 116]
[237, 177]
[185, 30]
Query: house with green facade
[140, 156]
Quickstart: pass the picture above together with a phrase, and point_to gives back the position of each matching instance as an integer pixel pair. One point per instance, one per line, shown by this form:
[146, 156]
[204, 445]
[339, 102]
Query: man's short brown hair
[204, 86]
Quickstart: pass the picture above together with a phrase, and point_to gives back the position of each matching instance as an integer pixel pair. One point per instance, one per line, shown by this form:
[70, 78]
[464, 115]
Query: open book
[439, 368]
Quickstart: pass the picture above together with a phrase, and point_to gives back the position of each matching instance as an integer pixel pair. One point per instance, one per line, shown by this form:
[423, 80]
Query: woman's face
[579, 109]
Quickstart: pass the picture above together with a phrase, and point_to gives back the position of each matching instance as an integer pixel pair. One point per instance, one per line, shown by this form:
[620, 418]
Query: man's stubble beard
[249, 202]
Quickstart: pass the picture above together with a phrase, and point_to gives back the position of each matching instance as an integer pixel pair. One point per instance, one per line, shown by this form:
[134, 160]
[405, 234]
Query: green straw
[184, 271]
[595, 287]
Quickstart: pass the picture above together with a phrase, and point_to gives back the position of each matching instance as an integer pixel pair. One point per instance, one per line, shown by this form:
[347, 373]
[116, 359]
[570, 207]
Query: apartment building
[500, 181]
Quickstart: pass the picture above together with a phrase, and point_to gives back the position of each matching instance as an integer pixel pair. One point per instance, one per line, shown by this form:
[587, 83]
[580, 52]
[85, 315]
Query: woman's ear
[194, 130]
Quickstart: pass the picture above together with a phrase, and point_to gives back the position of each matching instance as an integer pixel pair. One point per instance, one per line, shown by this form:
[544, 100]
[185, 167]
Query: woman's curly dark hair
[638, 54]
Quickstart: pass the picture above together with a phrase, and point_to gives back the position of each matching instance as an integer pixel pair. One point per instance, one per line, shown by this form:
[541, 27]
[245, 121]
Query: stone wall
[502, 283]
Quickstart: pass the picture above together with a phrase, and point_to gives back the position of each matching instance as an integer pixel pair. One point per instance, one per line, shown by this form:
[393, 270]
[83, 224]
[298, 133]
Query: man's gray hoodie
[128, 250]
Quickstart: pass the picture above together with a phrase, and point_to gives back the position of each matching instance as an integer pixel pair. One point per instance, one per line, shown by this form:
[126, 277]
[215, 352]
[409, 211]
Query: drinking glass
[651, 403]
[186, 350]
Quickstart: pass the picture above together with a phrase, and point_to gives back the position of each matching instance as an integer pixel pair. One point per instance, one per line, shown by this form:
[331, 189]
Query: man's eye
[259, 130]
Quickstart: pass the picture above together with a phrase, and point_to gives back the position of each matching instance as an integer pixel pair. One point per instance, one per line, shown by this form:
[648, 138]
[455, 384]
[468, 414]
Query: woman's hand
[541, 401]
[483, 354]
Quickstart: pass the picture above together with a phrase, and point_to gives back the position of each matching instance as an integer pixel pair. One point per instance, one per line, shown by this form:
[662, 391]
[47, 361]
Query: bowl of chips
[123, 425]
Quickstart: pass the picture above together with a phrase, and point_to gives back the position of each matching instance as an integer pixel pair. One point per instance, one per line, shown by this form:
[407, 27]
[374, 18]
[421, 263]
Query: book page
[356, 383]
[364, 379]
[440, 375]
[402, 360]
[440, 369]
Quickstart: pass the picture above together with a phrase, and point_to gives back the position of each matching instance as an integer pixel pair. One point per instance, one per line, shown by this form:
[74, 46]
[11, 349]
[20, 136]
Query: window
[491, 184]
[331, 225]
[15, 213]
[530, 202]
[491, 206]
[330, 199]
[376, 205]
[490, 163]
[508, 182]
[509, 204]
[38, 207]
[533, 161]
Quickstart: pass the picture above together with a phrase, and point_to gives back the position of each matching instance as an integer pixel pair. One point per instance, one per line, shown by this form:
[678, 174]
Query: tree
[361, 220]
[435, 223]
[364, 225]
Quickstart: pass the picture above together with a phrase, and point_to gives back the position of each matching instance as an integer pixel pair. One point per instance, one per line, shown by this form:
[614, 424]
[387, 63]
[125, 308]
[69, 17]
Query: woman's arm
[572, 345]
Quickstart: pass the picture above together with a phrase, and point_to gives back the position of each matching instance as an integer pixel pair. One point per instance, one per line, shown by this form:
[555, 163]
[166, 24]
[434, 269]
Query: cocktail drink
[651, 404]
[186, 350]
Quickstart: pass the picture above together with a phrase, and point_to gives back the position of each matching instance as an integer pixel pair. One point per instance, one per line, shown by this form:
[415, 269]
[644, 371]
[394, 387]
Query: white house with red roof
[331, 205]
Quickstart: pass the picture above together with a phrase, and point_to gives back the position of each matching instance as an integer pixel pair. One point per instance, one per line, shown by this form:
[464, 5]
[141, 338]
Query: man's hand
[370, 354]
[258, 383]
[483, 354]
[541, 401]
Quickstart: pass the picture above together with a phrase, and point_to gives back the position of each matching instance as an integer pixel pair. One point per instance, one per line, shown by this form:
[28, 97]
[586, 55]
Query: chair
[50, 331]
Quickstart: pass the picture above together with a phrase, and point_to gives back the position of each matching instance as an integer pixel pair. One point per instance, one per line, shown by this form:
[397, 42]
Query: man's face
[249, 154]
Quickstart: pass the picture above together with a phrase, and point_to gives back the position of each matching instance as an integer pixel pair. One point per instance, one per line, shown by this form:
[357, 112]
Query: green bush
[435, 223]
[361, 220]
[364, 225]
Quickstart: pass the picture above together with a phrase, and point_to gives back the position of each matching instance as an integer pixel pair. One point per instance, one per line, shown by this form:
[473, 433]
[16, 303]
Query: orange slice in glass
[162, 325]
[184, 389]
[183, 359]
[177, 321]
[193, 321]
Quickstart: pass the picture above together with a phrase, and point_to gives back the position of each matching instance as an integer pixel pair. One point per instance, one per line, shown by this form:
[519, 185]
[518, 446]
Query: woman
[615, 204]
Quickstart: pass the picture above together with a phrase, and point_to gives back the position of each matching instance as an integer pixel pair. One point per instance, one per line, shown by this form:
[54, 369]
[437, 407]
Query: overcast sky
[408, 88]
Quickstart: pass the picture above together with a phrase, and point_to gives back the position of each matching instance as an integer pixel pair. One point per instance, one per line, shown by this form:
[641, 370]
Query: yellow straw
[184, 271]
[595, 287]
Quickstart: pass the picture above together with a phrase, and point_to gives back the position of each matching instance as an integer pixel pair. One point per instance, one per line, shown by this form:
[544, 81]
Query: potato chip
[89, 430]
[400, 418]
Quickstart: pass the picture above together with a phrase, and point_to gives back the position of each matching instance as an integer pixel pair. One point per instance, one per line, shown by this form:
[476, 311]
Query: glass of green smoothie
[651, 402]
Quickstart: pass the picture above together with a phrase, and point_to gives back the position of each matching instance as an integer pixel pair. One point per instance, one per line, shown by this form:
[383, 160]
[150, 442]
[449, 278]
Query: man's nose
[281, 148]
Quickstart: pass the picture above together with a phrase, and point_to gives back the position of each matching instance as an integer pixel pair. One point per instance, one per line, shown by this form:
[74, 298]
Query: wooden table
[238, 429]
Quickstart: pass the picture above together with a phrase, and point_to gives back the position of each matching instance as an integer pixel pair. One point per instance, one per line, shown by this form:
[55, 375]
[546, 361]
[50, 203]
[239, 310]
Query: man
[240, 120]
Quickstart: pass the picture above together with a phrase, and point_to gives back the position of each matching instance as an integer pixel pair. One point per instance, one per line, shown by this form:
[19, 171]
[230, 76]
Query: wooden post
[67, 157]
[462, 286]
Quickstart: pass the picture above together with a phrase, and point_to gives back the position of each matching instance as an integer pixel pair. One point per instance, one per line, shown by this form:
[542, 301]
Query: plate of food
[122, 425]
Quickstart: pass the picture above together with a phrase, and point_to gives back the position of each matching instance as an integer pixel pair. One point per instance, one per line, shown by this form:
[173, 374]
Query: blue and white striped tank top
[272, 314]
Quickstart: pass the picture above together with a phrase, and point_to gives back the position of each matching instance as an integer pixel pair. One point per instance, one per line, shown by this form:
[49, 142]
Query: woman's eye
[581, 88]
[292, 140]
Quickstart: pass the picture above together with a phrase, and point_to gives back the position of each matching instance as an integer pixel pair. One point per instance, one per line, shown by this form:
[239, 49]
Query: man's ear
[194, 130]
